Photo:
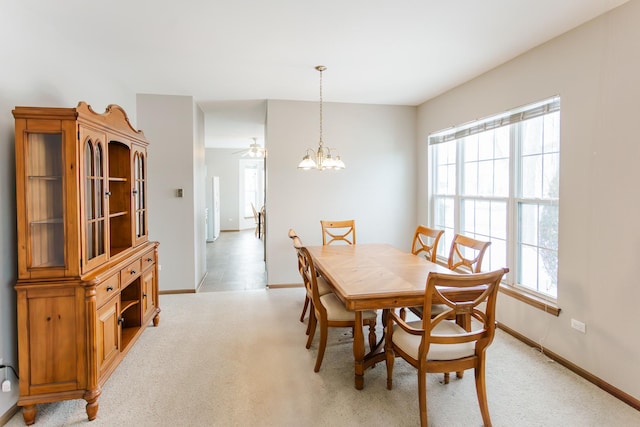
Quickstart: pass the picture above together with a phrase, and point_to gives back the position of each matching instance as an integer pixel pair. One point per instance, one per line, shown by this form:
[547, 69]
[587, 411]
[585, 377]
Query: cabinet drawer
[148, 260]
[129, 273]
[107, 289]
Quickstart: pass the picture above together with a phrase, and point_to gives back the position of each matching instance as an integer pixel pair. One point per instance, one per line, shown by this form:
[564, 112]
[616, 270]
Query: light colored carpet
[238, 359]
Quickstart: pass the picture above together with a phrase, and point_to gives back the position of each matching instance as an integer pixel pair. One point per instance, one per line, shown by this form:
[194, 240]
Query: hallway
[235, 262]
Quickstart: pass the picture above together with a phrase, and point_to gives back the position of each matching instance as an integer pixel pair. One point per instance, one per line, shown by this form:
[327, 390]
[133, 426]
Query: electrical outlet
[6, 386]
[579, 326]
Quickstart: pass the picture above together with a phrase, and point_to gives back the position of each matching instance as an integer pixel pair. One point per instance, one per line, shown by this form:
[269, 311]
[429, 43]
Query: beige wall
[199, 197]
[377, 188]
[596, 71]
[176, 158]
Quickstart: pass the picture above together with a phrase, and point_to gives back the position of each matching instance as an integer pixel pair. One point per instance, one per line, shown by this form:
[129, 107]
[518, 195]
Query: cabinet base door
[55, 338]
[108, 335]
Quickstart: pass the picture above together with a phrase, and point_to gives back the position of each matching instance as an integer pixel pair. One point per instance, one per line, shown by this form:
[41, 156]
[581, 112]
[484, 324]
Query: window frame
[514, 199]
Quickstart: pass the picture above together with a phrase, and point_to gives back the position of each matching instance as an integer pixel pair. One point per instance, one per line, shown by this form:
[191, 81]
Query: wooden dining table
[372, 277]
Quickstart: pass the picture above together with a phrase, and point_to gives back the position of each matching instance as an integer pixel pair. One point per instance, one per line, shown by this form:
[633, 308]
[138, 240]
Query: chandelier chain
[321, 69]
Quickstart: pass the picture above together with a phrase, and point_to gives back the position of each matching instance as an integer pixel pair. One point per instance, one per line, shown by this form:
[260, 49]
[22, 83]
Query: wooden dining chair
[338, 231]
[466, 254]
[425, 242]
[328, 310]
[438, 344]
[256, 219]
[323, 286]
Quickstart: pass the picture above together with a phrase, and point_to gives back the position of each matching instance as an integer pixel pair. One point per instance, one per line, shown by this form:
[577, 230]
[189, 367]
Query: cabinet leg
[156, 320]
[92, 409]
[29, 414]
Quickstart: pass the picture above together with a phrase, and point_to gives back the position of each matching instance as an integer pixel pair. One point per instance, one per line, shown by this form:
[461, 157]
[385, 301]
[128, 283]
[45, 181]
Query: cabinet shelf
[116, 250]
[116, 214]
[47, 221]
[46, 177]
[128, 334]
[117, 179]
[128, 304]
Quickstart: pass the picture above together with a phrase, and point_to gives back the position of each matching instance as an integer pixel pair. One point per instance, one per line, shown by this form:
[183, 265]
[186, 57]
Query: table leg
[358, 351]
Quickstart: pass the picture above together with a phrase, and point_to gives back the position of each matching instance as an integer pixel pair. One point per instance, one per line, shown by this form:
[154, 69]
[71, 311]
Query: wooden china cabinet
[87, 274]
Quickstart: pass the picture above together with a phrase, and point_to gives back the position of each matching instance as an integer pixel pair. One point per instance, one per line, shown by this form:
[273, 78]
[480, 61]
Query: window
[253, 186]
[497, 179]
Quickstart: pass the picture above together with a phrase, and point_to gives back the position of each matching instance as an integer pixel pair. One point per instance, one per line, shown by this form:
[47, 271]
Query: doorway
[235, 262]
[234, 138]
[235, 252]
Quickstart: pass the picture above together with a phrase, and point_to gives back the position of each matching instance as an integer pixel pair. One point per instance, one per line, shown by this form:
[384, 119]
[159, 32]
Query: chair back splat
[425, 242]
[338, 231]
[466, 254]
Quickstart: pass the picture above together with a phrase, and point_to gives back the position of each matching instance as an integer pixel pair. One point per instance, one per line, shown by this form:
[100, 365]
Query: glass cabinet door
[45, 207]
[94, 202]
[95, 193]
[140, 196]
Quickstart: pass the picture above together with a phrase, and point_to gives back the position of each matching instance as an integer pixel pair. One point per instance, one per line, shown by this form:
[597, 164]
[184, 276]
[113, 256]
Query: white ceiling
[232, 55]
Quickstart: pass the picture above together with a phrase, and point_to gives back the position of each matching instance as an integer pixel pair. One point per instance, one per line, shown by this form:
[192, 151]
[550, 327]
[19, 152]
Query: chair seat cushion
[336, 310]
[410, 343]
[323, 286]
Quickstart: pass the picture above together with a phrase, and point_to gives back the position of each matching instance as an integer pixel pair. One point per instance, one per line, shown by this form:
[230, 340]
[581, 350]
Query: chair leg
[446, 377]
[372, 335]
[311, 327]
[481, 391]
[390, 359]
[304, 308]
[422, 397]
[309, 323]
[324, 330]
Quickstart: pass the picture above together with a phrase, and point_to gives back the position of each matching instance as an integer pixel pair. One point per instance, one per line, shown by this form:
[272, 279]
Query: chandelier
[321, 158]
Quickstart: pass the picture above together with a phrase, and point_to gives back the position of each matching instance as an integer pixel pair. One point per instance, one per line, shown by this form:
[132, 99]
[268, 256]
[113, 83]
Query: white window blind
[496, 121]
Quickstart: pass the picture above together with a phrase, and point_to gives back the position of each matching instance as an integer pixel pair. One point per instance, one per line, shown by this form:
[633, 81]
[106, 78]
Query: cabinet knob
[107, 193]
[144, 295]
[133, 272]
[135, 191]
[149, 259]
[120, 320]
[109, 288]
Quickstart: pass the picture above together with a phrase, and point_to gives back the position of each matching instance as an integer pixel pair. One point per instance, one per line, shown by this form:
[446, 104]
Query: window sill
[532, 300]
